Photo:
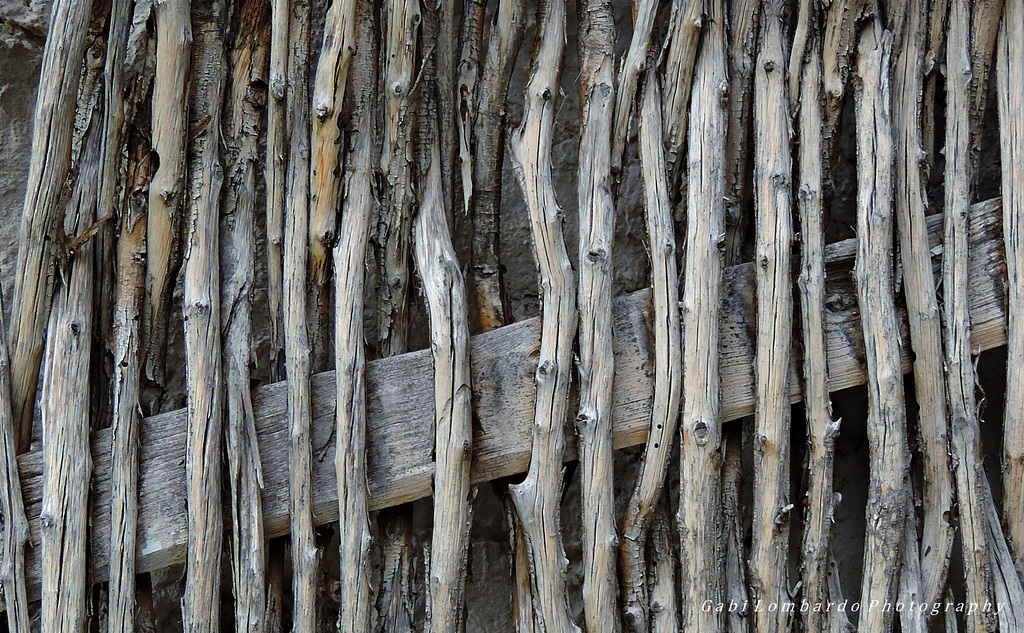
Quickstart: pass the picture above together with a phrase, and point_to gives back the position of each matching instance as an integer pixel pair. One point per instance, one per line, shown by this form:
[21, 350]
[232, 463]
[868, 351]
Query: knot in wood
[598, 255]
[701, 432]
[75, 329]
[769, 66]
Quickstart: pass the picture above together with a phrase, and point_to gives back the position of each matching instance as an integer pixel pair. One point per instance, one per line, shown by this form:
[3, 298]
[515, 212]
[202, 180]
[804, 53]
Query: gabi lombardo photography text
[852, 606]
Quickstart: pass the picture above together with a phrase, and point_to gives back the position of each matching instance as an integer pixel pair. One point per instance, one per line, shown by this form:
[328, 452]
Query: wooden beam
[400, 392]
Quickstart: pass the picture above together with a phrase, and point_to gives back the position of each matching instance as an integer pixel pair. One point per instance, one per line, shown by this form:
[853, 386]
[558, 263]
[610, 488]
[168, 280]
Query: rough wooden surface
[399, 410]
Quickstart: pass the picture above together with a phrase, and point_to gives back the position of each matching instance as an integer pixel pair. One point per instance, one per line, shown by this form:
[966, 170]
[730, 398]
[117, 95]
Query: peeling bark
[735, 589]
[537, 498]
[243, 114]
[661, 571]
[49, 162]
[774, 236]
[167, 190]
[840, 39]
[700, 457]
[505, 39]
[359, 207]
[886, 425]
[305, 556]
[910, 22]
[275, 174]
[667, 362]
[1010, 69]
[202, 317]
[467, 93]
[596, 362]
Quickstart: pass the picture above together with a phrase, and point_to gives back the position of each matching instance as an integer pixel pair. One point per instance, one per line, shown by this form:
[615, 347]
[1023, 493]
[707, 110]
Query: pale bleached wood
[701, 568]
[12, 505]
[744, 28]
[275, 173]
[167, 189]
[988, 567]
[840, 40]
[201, 313]
[505, 38]
[1010, 88]
[243, 115]
[596, 362]
[305, 555]
[358, 210]
[444, 291]
[677, 79]
[467, 91]
[772, 507]
[735, 590]
[822, 429]
[664, 409]
[537, 497]
[911, 620]
[399, 392]
[634, 62]
[329, 84]
[910, 23]
[49, 162]
[886, 426]
[664, 608]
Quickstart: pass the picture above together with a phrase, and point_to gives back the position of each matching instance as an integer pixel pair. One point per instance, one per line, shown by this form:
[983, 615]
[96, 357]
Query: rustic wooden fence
[167, 134]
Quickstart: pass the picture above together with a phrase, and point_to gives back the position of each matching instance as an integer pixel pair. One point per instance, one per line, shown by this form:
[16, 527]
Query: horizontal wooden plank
[400, 403]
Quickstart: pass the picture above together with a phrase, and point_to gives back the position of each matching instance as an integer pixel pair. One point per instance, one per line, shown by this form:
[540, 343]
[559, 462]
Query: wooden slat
[400, 404]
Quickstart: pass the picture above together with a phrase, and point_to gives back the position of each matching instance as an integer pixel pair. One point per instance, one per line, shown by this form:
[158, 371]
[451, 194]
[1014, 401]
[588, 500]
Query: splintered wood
[221, 198]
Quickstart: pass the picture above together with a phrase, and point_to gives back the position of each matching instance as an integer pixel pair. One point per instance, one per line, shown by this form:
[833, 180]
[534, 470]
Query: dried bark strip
[634, 62]
[841, 19]
[743, 33]
[202, 318]
[399, 392]
[467, 89]
[774, 236]
[12, 506]
[700, 459]
[305, 556]
[822, 429]
[910, 21]
[275, 174]
[329, 86]
[735, 590]
[886, 426]
[537, 498]
[167, 190]
[447, 307]
[984, 28]
[661, 571]
[349, 352]
[664, 413]
[49, 161]
[596, 361]
[243, 114]
[394, 226]
[394, 601]
[1010, 69]
[680, 61]
[67, 461]
[505, 38]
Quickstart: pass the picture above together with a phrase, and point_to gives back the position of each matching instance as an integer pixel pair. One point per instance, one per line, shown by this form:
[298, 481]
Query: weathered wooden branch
[1010, 87]
[841, 19]
[243, 115]
[596, 37]
[664, 612]
[275, 174]
[699, 519]
[773, 241]
[504, 41]
[305, 555]
[734, 546]
[664, 412]
[537, 498]
[910, 21]
[48, 167]
[680, 61]
[634, 62]
[400, 392]
[349, 346]
[167, 189]
[447, 304]
[202, 320]
[822, 429]
[886, 425]
[12, 504]
[467, 92]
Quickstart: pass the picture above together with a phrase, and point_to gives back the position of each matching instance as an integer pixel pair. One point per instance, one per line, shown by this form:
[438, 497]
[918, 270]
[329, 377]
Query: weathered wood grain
[399, 410]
